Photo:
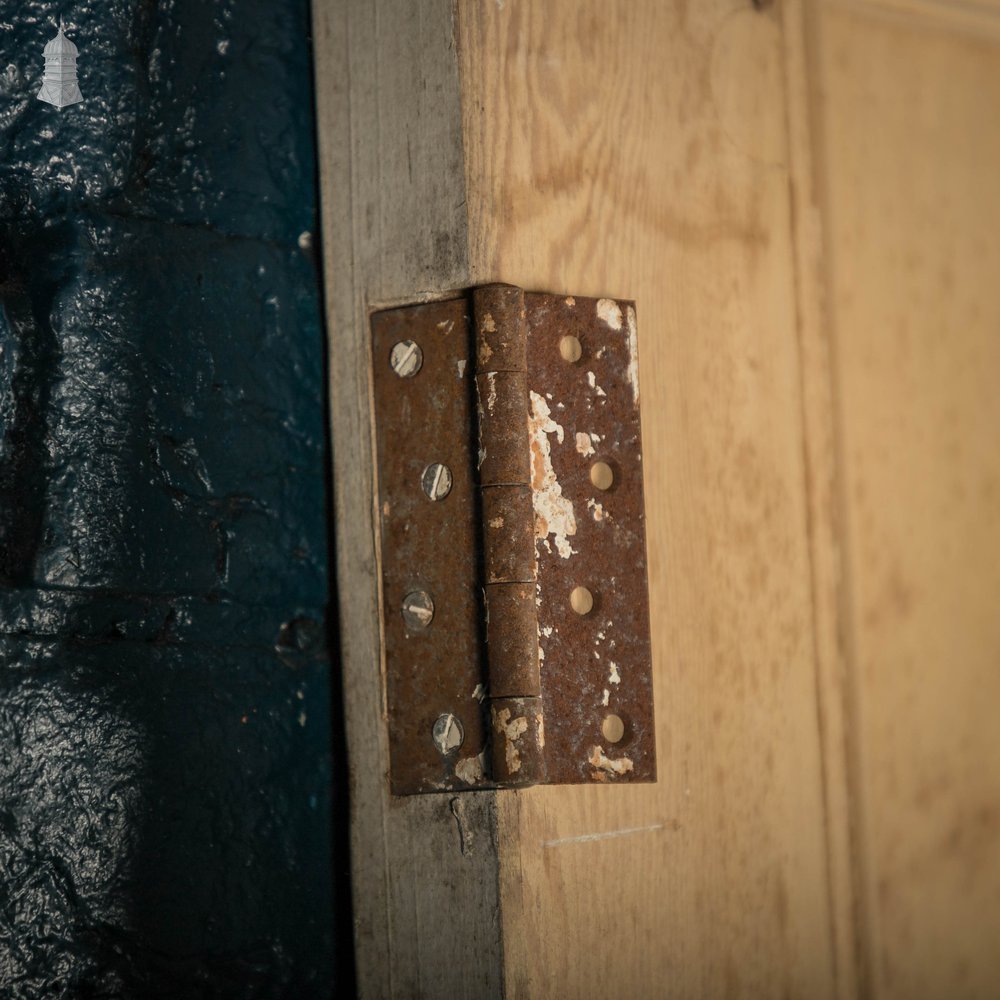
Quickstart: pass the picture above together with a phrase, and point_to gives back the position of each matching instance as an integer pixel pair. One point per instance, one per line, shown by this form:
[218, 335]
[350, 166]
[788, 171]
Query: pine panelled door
[800, 197]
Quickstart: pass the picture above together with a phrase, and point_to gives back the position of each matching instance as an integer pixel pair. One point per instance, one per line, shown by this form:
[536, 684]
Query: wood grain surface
[909, 157]
[424, 868]
[801, 197]
[641, 149]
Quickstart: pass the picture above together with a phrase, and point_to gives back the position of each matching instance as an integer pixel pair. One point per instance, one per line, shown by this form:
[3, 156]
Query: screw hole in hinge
[570, 348]
[602, 475]
[581, 600]
[613, 728]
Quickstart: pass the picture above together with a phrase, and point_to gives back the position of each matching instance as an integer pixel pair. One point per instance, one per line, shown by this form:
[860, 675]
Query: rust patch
[600, 661]
[426, 419]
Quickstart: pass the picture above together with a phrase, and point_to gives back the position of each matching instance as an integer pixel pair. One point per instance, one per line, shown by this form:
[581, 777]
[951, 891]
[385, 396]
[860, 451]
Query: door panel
[905, 111]
[641, 149]
[801, 197]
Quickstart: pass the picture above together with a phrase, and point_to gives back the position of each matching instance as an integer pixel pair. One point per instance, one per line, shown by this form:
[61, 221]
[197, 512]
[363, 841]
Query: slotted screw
[436, 481]
[448, 733]
[418, 610]
[406, 358]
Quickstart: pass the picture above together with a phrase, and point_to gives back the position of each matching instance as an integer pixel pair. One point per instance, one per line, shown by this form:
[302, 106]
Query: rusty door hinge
[512, 542]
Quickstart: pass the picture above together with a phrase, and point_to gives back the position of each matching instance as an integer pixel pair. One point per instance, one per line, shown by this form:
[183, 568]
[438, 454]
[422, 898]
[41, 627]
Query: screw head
[406, 358]
[418, 610]
[448, 733]
[436, 481]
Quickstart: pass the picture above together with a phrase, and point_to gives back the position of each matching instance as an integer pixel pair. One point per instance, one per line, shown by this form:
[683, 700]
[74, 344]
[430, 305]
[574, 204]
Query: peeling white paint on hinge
[513, 730]
[592, 382]
[633, 355]
[481, 421]
[605, 767]
[610, 313]
[553, 512]
[491, 399]
[471, 769]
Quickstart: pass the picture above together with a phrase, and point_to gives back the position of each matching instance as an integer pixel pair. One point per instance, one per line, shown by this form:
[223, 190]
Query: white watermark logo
[59, 86]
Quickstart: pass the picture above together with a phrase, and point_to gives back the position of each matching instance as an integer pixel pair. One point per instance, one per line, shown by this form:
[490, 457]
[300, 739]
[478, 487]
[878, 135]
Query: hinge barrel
[517, 730]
